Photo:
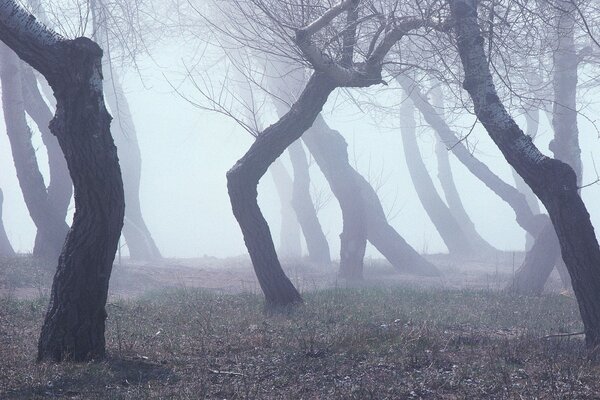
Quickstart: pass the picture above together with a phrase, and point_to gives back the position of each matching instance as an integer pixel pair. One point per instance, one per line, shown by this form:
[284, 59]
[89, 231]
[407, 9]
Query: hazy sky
[187, 151]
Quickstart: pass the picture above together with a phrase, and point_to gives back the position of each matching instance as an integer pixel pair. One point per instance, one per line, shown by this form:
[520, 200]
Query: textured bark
[453, 200]
[60, 187]
[47, 217]
[6, 249]
[316, 242]
[74, 324]
[329, 149]
[242, 182]
[554, 182]
[439, 214]
[290, 243]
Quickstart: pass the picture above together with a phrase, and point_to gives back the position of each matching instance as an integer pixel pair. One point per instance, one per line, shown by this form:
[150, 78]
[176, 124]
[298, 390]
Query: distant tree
[73, 328]
[6, 249]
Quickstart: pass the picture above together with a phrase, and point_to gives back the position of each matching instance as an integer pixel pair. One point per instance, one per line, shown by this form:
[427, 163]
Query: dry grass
[373, 343]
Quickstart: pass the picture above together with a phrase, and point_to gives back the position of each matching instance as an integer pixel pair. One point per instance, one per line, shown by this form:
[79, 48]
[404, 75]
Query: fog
[186, 152]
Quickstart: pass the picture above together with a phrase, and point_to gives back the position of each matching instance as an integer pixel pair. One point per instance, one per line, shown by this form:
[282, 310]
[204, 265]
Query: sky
[186, 152]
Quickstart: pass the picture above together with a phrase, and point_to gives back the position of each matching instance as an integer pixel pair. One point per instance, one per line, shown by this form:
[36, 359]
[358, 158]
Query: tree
[47, 217]
[6, 249]
[73, 328]
[554, 182]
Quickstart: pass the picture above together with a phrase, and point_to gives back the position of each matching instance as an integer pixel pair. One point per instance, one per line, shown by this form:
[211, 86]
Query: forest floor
[196, 329]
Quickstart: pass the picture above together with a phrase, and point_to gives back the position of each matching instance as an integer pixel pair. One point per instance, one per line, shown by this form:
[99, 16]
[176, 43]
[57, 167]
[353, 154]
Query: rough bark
[329, 149]
[290, 243]
[74, 324]
[242, 181]
[446, 178]
[47, 217]
[316, 242]
[439, 214]
[6, 249]
[553, 181]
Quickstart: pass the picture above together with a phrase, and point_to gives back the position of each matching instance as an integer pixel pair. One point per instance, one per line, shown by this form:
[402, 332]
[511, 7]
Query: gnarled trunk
[6, 249]
[316, 242]
[290, 245]
[48, 219]
[449, 230]
[554, 182]
[242, 182]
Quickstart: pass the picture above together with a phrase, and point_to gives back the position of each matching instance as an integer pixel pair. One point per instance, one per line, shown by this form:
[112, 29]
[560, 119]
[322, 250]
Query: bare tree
[74, 324]
[554, 182]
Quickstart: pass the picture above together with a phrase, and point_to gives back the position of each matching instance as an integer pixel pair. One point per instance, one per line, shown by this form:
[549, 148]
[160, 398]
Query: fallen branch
[563, 335]
[214, 371]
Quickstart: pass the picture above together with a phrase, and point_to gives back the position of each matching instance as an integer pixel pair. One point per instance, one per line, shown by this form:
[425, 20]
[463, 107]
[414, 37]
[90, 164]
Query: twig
[214, 371]
[563, 335]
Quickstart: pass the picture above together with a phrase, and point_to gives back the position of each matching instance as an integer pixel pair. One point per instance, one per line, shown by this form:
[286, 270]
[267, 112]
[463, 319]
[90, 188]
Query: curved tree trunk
[532, 118]
[329, 150]
[48, 219]
[330, 153]
[436, 209]
[455, 204]
[554, 182]
[60, 188]
[74, 324]
[6, 249]
[140, 243]
[316, 242]
[290, 243]
[242, 182]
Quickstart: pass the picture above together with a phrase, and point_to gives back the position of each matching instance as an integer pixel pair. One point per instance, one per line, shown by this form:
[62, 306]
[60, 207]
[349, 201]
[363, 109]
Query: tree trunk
[438, 212]
[330, 153]
[290, 244]
[316, 242]
[48, 219]
[6, 249]
[532, 117]
[554, 182]
[455, 204]
[242, 182]
[329, 150]
[60, 188]
[140, 243]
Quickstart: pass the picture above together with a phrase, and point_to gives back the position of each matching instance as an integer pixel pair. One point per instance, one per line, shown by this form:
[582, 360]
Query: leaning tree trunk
[60, 187]
[139, 240]
[438, 212]
[74, 324]
[533, 224]
[47, 218]
[242, 182]
[554, 182]
[329, 150]
[446, 178]
[316, 242]
[532, 117]
[290, 242]
[6, 249]
[331, 155]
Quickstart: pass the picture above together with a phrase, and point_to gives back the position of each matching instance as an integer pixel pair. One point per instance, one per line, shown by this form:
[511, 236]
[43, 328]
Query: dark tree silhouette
[6, 249]
[73, 328]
